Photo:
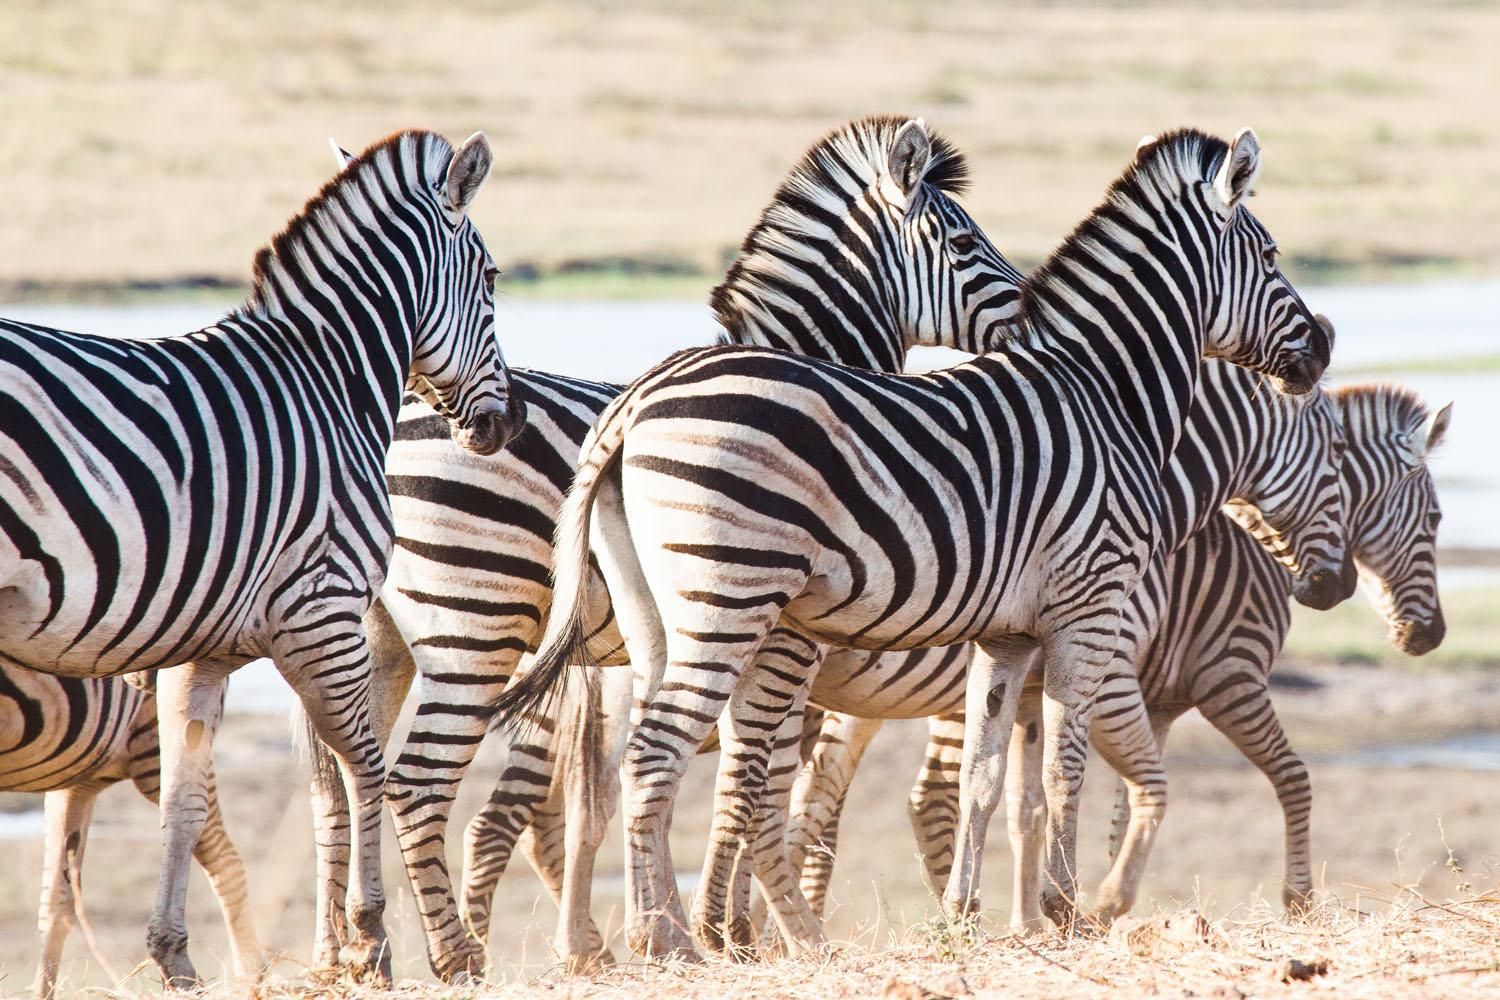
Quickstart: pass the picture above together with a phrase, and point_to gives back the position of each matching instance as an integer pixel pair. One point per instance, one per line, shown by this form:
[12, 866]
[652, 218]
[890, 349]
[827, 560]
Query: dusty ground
[1376, 828]
[153, 141]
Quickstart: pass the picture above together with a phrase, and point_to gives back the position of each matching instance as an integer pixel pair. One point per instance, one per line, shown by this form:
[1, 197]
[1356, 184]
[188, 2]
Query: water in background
[1378, 326]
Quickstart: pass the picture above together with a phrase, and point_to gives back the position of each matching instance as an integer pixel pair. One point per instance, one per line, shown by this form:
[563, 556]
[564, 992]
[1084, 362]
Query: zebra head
[863, 252]
[456, 366]
[1393, 508]
[955, 290]
[1255, 318]
[1296, 508]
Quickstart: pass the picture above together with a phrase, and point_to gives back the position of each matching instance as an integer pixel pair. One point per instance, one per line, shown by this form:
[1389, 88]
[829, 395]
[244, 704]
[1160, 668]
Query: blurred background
[148, 149]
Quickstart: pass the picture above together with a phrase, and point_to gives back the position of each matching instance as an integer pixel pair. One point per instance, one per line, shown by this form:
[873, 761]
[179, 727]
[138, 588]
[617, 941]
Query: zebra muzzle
[491, 430]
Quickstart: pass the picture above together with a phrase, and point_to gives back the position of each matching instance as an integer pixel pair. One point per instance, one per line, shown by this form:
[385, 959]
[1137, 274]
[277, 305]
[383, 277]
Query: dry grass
[151, 140]
[1219, 851]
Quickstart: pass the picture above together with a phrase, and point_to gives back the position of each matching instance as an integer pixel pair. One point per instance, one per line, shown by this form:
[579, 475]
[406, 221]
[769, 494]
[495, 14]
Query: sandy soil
[1219, 850]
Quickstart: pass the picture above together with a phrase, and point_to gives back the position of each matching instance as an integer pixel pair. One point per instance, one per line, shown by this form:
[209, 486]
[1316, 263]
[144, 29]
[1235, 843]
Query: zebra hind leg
[933, 805]
[1124, 734]
[190, 705]
[1026, 811]
[68, 811]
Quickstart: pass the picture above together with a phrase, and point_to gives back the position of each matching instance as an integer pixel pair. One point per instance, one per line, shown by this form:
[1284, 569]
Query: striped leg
[190, 705]
[214, 852]
[502, 823]
[1243, 712]
[991, 698]
[459, 686]
[327, 663]
[391, 670]
[817, 801]
[1126, 736]
[1026, 810]
[68, 811]
[933, 806]
[1076, 660]
[764, 714]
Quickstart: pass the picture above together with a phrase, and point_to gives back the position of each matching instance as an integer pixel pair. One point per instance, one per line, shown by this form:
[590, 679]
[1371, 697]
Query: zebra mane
[400, 148]
[834, 172]
[1373, 409]
[1160, 170]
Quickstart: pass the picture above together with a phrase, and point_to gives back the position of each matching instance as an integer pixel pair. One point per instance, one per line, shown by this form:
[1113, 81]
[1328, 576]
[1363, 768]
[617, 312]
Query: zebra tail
[327, 780]
[530, 696]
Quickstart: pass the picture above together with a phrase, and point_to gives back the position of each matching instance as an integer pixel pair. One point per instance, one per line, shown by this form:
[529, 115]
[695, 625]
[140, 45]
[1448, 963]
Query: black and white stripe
[1204, 630]
[862, 253]
[211, 498]
[1010, 500]
[73, 737]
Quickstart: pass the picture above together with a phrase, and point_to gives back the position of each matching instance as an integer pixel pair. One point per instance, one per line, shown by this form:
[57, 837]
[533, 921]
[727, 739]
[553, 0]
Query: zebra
[73, 737]
[796, 491]
[1279, 453]
[1211, 622]
[862, 253]
[211, 498]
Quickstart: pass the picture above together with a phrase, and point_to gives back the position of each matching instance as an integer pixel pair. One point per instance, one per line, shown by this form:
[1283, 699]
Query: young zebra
[1013, 496]
[1207, 627]
[862, 253]
[1279, 453]
[215, 497]
[73, 737]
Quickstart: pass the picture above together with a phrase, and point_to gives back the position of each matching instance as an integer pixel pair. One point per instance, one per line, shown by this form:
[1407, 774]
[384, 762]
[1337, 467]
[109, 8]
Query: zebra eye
[962, 242]
[490, 274]
[1269, 255]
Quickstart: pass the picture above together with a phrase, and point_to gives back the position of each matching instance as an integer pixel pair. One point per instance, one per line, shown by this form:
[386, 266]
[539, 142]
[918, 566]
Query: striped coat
[1013, 496]
[211, 498]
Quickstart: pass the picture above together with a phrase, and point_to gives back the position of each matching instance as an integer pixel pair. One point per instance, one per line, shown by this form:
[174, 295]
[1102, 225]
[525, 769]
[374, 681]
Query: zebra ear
[466, 172]
[342, 155]
[1431, 434]
[910, 155]
[1147, 141]
[1237, 176]
[1327, 325]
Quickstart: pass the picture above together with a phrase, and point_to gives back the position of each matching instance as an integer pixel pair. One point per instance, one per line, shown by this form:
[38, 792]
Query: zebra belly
[902, 685]
[56, 731]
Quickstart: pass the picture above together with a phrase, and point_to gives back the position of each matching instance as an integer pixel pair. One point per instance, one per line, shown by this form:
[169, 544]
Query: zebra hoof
[1298, 902]
[169, 950]
[461, 966]
[661, 941]
[590, 964]
[367, 959]
[1059, 909]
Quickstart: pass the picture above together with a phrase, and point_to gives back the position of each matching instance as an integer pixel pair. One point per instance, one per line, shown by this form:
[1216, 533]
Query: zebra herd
[1090, 528]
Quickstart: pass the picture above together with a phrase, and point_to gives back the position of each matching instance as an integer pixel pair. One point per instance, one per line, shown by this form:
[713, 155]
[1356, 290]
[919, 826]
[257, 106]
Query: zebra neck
[761, 305]
[350, 346]
[1228, 445]
[1134, 357]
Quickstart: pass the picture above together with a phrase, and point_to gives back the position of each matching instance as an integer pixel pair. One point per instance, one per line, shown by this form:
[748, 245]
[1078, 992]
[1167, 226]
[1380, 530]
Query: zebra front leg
[1249, 719]
[190, 705]
[991, 695]
[68, 811]
[1075, 660]
[817, 801]
[933, 805]
[590, 748]
[1125, 735]
[328, 665]
[1026, 811]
